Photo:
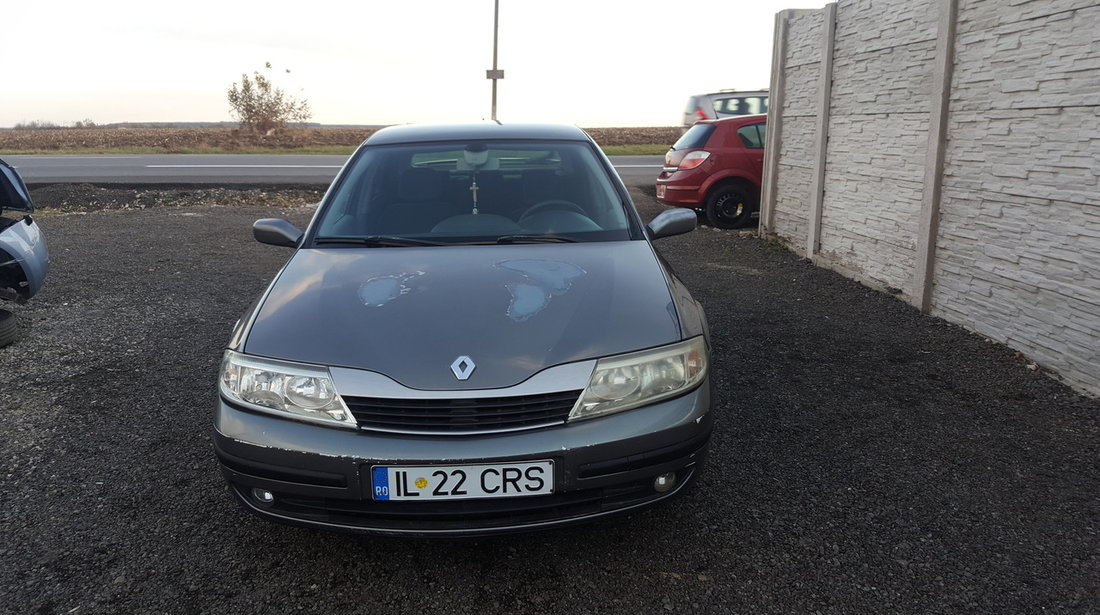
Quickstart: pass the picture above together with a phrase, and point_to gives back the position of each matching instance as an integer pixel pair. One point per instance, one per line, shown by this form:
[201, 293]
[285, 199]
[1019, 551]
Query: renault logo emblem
[463, 367]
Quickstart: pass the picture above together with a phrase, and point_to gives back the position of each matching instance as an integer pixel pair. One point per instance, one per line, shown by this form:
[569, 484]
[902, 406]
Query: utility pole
[494, 73]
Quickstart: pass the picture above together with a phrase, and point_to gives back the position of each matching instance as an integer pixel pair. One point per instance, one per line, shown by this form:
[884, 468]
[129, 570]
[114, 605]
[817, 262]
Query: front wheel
[729, 207]
[7, 328]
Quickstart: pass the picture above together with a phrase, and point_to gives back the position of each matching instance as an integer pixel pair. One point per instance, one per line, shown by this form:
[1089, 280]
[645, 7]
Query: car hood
[410, 313]
[14, 195]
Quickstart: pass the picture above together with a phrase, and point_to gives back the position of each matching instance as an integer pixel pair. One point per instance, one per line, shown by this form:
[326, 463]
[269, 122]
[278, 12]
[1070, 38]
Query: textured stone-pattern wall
[795, 167]
[878, 124]
[1017, 251]
[1018, 257]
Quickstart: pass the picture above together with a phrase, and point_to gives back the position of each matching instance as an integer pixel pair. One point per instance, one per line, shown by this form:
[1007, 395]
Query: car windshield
[473, 192]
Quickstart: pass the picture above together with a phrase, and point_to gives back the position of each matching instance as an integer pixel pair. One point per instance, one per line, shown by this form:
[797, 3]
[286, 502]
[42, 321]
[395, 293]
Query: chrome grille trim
[462, 416]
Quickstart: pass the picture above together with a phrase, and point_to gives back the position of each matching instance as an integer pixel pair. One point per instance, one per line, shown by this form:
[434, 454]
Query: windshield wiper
[380, 241]
[535, 239]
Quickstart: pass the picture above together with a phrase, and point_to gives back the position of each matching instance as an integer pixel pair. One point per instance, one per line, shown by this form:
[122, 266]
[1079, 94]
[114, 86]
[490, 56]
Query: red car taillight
[694, 159]
[699, 112]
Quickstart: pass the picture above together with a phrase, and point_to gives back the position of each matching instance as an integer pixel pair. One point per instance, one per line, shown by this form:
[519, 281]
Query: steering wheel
[559, 204]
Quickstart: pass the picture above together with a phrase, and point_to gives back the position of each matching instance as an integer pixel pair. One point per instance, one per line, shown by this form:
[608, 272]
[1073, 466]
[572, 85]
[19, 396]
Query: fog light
[263, 496]
[664, 482]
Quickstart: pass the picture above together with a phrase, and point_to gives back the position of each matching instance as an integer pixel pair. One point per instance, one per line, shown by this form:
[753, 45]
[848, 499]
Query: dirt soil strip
[868, 459]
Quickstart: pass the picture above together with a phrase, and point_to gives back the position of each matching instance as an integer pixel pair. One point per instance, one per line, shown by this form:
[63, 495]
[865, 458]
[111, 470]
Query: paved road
[223, 168]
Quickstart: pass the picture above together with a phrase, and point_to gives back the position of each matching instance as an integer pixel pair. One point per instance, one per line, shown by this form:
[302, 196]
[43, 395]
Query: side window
[752, 105]
[741, 105]
[729, 106]
[752, 135]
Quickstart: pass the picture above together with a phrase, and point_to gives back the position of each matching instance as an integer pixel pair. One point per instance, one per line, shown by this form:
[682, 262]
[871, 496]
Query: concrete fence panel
[951, 156]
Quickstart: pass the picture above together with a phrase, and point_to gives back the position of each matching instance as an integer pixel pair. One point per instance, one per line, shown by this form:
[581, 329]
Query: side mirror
[276, 232]
[672, 222]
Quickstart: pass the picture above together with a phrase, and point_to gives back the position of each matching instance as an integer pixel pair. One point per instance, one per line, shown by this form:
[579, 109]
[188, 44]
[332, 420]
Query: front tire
[729, 206]
[7, 328]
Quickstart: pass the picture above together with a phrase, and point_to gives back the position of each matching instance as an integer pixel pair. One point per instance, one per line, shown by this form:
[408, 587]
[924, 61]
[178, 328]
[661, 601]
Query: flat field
[197, 140]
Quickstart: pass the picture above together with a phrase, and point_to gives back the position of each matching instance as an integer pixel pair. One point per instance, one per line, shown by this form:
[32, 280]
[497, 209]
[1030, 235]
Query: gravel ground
[867, 459]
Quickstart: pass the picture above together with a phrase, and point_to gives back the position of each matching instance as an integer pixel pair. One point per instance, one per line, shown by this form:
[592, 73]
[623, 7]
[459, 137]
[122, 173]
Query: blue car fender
[24, 260]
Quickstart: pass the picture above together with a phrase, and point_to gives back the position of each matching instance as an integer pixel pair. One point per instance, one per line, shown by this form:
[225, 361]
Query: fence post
[821, 136]
[933, 168]
[775, 123]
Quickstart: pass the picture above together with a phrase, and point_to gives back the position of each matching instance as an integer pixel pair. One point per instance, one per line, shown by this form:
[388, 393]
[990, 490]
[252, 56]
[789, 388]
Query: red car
[717, 167]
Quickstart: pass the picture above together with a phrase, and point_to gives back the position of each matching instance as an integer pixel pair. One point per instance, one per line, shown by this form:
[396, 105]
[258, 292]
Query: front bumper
[23, 254]
[320, 476]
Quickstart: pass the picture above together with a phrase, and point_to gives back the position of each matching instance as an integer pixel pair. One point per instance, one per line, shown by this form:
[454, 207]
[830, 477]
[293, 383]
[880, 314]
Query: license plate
[499, 480]
[660, 192]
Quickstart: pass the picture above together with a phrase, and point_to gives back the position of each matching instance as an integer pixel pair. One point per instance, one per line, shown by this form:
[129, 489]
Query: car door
[751, 137]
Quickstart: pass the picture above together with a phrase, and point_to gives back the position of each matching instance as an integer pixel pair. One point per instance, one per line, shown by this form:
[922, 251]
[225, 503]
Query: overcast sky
[585, 62]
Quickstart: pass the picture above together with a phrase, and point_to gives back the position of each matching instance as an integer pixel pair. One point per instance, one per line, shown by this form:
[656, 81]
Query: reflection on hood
[543, 280]
[379, 291]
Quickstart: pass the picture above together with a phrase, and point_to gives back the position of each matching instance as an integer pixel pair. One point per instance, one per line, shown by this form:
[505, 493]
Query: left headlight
[299, 391]
[641, 378]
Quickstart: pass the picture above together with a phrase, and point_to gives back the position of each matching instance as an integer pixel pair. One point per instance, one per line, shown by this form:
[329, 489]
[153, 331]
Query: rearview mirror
[276, 232]
[672, 222]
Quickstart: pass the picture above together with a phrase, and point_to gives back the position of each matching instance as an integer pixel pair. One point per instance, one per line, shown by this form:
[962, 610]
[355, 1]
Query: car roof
[736, 119]
[733, 93]
[423, 133]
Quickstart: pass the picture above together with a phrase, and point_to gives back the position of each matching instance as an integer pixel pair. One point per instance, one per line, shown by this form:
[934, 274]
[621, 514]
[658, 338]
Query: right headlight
[291, 390]
[641, 378]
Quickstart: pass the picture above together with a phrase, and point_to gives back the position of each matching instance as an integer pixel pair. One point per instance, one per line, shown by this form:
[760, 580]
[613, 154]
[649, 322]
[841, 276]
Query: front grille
[484, 414]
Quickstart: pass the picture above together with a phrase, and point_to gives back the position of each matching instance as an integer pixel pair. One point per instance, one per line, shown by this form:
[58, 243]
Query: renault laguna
[473, 335]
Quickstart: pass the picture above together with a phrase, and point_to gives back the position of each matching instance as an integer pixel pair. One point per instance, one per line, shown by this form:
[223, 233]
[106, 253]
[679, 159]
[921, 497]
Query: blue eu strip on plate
[380, 483]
